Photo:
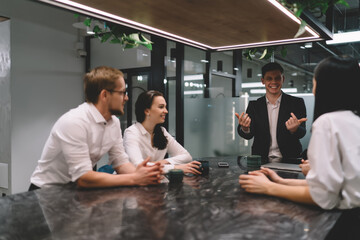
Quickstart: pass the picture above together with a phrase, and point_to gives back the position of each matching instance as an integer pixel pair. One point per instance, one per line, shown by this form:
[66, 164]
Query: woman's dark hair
[144, 102]
[337, 85]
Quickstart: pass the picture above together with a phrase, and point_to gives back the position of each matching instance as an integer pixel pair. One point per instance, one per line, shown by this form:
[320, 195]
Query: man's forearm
[94, 179]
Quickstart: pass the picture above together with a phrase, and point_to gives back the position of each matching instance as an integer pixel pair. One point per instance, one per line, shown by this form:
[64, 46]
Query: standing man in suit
[276, 120]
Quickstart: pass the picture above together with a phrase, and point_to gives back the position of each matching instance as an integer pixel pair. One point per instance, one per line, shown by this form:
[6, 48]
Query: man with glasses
[276, 120]
[83, 135]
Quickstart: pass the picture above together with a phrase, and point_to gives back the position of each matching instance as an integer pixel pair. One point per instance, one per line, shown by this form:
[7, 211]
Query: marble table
[209, 207]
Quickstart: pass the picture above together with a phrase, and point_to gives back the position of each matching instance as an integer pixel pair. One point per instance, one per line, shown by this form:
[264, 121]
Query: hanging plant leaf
[343, 2]
[105, 31]
[130, 45]
[264, 54]
[301, 29]
[115, 40]
[144, 39]
[97, 29]
[87, 22]
[145, 42]
[246, 54]
[105, 36]
[298, 6]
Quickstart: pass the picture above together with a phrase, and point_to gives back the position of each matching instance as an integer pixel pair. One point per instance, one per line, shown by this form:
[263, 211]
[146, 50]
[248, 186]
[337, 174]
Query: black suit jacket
[289, 144]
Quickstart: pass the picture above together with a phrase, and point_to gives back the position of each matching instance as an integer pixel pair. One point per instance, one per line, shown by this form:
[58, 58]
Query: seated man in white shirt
[83, 135]
[147, 138]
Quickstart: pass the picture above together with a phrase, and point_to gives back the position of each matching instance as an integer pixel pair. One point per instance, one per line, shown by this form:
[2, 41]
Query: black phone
[223, 164]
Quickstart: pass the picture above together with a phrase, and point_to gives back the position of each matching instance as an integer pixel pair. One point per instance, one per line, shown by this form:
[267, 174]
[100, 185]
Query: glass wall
[139, 84]
[194, 70]
[210, 125]
[170, 85]
[222, 78]
[210, 100]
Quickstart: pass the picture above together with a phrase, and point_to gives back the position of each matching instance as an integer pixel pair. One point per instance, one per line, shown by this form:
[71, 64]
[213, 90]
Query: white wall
[45, 82]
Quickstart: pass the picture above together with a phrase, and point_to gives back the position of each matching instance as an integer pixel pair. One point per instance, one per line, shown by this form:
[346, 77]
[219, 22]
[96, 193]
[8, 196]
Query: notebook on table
[283, 166]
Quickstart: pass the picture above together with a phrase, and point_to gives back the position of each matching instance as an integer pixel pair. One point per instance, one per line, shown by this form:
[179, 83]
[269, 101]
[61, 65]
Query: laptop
[283, 166]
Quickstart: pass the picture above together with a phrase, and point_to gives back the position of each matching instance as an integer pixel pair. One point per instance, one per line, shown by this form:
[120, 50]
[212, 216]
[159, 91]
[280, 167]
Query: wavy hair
[144, 101]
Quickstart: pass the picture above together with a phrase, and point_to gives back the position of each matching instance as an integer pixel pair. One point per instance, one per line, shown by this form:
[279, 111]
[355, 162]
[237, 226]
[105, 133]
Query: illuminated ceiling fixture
[308, 45]
[252, 85]
[345, 37]
[263, 91]
[89, 31]
[106, 16]
[193, 77]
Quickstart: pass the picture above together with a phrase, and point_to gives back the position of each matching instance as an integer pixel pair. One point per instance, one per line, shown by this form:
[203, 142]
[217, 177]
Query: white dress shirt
[273, 114]
[77, 141]
[137, 142]
[334, 156]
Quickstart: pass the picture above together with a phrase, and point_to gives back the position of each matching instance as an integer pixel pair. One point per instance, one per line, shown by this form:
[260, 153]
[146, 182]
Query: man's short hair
[271, 67]
[98, 79]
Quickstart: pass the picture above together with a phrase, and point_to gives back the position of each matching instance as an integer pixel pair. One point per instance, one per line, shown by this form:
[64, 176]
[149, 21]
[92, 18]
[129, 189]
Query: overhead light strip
[292, 16]
[132, 24]
[262, 44]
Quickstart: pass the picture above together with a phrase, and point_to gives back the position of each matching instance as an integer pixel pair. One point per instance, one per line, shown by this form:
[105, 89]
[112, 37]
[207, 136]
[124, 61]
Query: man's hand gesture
[293, 123]
[244, 121]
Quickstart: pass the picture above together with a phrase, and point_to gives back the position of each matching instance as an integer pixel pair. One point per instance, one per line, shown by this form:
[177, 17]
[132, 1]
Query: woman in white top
[334, 149]
[148, 138]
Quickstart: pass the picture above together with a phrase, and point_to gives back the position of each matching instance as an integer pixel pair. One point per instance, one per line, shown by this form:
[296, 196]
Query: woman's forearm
[297, 193]
[293, 182]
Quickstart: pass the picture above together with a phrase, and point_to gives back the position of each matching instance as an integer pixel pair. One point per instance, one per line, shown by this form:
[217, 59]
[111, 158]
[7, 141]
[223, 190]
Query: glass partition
[170, 86]
[139, 84]
[210, 127]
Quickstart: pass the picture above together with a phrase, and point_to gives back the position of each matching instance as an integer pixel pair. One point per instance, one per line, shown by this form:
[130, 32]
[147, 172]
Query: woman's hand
[145, 175]
[255, 182]
[164, 161]
[272, 175]
[305, 166]
[191, 167]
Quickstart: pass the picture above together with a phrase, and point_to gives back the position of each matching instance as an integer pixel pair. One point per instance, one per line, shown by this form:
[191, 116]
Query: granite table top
[202, 207]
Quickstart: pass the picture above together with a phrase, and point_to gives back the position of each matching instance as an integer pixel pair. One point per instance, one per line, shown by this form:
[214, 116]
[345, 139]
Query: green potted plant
[110, 32]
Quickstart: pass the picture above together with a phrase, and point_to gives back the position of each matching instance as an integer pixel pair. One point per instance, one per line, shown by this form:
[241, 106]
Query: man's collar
[98, 117]
[278, 100]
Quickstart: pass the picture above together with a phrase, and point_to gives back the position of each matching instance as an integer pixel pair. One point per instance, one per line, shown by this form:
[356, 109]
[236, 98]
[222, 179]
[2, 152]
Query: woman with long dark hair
[334, 149]
[148, 138]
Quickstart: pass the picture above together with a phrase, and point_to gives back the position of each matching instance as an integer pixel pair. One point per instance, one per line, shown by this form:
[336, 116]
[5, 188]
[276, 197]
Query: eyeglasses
[124, 93]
